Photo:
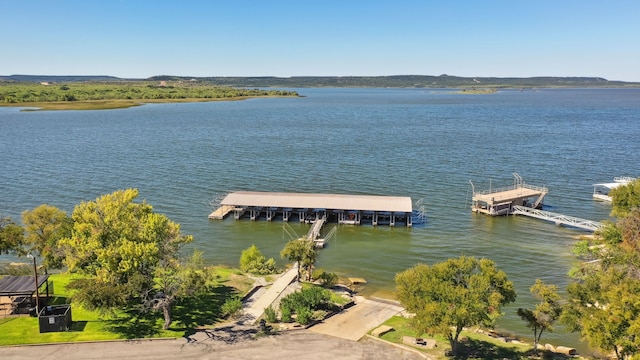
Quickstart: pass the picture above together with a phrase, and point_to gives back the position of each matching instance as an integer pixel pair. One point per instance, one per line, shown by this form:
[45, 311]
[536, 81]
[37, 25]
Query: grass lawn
[188, 315]
[471, 345]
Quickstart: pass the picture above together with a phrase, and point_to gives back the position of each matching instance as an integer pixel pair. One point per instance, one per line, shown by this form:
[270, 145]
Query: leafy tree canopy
[45, 226]
[448, 296]
[115, 238]
[252, 261]
[302, 251]
[604, 299]
[625, 198]
[605, 309]
[126, 247]
[11, 236]
[545, 313]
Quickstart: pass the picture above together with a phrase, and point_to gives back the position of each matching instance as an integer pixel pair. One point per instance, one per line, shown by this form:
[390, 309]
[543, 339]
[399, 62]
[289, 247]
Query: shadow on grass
[199, 310]
[478, 349]
[188, 314]
[78, 326]
[59, 300]
[135, 324]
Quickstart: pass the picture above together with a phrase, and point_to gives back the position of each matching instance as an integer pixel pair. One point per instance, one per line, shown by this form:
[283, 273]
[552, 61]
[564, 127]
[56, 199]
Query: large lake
[427, 144]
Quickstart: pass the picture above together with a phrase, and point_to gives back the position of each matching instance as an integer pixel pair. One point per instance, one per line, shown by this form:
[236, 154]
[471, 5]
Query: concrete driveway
[355, 322]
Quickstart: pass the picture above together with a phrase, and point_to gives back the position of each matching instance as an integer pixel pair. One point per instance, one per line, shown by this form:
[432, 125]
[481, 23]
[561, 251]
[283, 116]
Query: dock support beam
[254, 213]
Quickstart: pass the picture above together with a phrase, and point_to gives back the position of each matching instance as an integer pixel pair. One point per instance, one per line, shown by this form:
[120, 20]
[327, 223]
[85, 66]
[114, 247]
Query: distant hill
[397, 81]
[409, 81]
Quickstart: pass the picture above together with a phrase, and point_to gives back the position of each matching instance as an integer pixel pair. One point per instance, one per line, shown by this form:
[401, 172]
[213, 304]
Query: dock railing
[559, 219]
[514, 187]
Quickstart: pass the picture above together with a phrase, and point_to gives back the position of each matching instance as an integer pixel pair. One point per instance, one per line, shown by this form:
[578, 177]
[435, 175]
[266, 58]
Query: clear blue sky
[475, 38]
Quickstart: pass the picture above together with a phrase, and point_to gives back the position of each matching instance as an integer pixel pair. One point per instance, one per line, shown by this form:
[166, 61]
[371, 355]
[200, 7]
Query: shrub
[285, 314]
[270, 315]
[252, 261]
[231, 307]
[326, 279]
[304, 316]
[313, 298]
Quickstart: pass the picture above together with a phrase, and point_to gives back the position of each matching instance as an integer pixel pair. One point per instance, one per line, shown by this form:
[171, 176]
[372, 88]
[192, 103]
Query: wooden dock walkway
[558, 219]
[221, 212]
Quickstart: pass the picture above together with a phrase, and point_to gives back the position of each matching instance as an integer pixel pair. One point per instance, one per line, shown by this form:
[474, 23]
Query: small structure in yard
[55, 318]
[18, 294]
[425, 343]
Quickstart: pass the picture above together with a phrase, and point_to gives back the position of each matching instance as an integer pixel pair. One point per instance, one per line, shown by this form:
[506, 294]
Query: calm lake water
[427, 144]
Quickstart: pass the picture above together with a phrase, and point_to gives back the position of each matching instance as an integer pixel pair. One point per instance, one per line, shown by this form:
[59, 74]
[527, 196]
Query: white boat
[601, 191]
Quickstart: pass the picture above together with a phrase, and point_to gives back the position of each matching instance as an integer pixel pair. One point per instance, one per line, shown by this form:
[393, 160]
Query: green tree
[545, 313]
[172, 281]
[326, 279]
[303, 252]
[11, 236]
[605, 309]
[630, 231]
[252, 261]
[625, 198]
[604, 298]
[45, 226]
[457, 293]
[124, 246]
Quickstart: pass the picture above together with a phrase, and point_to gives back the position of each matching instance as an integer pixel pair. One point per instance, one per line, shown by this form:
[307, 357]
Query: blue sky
[474, 38]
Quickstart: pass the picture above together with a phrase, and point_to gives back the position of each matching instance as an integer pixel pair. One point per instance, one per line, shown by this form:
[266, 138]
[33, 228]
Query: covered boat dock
[308, 207]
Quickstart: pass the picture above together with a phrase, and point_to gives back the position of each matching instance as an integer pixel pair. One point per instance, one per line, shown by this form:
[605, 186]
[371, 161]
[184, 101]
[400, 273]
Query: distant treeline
[411, 81]
[399, 81]
[33, 92]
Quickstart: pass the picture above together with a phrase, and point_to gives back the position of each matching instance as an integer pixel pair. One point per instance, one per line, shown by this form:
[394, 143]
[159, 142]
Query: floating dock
[525, 199]
[496, 202]
[307, 207]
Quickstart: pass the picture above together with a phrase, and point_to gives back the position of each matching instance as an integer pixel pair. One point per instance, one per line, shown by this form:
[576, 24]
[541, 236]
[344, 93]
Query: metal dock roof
[319, 201]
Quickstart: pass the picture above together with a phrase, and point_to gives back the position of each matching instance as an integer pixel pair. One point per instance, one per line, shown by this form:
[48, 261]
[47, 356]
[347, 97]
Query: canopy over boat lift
[495, 202]
[601, 191]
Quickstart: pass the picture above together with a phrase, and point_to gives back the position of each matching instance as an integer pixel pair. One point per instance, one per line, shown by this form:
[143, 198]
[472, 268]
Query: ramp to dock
[558, 219]
[314, 232]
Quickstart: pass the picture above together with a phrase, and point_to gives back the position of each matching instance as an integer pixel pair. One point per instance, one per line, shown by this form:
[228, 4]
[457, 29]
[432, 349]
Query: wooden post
[35, 271]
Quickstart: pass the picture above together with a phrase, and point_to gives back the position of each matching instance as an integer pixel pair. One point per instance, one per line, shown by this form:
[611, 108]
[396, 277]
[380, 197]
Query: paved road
[301, 344]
